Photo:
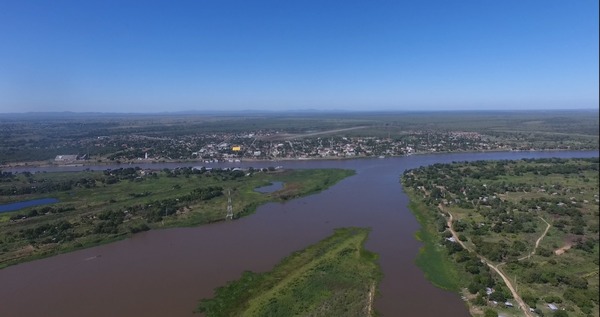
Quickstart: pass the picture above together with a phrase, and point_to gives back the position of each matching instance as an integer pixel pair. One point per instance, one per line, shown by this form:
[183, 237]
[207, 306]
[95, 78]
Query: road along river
[165, 272]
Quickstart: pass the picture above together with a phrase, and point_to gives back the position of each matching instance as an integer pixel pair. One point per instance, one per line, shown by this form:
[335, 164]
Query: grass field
[99, 207]
[335, 277]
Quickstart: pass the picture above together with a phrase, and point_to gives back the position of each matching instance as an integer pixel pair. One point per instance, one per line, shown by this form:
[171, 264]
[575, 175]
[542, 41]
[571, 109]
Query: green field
[335, 277]
[99, 207]
[500, 210]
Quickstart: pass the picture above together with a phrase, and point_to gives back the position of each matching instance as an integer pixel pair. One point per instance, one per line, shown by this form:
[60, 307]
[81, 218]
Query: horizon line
[305, 111]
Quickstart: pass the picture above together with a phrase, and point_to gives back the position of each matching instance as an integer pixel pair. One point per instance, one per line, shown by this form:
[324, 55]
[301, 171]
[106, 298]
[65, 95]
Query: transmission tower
[229, 207]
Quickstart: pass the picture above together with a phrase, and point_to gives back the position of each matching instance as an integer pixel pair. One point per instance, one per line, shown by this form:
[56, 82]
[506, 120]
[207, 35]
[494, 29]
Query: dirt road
[537, 242]
[508, 283]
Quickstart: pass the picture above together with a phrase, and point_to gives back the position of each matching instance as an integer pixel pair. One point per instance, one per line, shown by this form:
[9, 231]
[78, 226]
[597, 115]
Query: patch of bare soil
[563, 249]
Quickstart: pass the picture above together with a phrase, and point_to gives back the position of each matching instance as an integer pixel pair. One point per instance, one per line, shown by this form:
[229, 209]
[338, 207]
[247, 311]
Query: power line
[229, 206]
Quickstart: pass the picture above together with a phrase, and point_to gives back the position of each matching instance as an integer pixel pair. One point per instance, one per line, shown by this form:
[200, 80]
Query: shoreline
[437, 267]
[36, 164]
[305, 188]
[443, 268]
[443, 276]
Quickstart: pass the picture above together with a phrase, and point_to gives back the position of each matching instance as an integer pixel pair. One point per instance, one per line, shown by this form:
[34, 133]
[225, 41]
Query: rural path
[508, 283]
[537, 242]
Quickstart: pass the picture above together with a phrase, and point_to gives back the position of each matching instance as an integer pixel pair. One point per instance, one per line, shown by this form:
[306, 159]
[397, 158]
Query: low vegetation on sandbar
[99, 207]
[516, 238]
[334, 277]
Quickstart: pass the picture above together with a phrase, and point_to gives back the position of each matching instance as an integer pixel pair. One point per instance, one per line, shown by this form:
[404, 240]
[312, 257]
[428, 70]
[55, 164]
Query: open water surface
[273, 187]
[26, 204]
[165, 272]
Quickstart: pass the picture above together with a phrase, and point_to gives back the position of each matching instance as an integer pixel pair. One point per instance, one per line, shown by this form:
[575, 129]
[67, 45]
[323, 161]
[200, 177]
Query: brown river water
[166, 272]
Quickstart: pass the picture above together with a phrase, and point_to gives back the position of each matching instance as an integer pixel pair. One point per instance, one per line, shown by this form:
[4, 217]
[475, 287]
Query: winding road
[508, 283]
[537, 242]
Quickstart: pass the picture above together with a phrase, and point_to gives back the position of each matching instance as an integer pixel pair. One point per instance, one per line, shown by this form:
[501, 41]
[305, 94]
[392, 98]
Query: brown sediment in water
[166, 272]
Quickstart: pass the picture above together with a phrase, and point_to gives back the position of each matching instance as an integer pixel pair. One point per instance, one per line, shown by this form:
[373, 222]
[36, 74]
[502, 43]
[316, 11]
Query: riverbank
[334, 277]
[504, 222]
[438, 265]
[98, 207]
[433, 259]
[124, 164]
[169, 270]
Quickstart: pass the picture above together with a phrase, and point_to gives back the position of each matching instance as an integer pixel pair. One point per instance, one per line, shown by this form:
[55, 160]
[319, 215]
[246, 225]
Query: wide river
[166, 272]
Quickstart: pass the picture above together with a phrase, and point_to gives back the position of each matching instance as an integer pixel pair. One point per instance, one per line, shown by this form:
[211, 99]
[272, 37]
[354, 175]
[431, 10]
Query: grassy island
[334, 277]
[101, 206]
[519, 238]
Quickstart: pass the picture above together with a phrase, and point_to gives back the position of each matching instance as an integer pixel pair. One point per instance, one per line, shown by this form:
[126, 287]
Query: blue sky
[154, 56]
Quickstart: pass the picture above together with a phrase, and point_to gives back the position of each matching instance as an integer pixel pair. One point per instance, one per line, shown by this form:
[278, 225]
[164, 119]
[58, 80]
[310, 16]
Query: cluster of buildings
[274, 145]
[340, 147]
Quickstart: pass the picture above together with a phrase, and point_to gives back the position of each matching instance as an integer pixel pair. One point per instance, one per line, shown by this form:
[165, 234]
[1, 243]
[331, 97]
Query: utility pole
[229, 206]
[163, 219]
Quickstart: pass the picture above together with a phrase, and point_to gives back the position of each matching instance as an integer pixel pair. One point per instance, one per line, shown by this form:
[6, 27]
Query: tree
[499, 295]
[474, 288]
[561, 313]
[480, 300]
[490, 313]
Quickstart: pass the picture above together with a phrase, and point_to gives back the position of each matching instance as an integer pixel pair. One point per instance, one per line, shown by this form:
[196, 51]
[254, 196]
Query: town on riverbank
[38, 140]
[94, 206]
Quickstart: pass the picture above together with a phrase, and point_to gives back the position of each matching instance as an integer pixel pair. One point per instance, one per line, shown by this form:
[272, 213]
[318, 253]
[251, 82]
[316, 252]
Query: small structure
[552, 307]
[65, 158]
[508, 304]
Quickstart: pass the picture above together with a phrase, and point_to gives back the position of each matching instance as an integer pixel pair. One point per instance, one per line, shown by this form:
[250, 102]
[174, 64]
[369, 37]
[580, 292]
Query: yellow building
[236, 148]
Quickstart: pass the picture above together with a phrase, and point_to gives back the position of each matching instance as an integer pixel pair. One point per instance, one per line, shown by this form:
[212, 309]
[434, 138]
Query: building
[65, 158]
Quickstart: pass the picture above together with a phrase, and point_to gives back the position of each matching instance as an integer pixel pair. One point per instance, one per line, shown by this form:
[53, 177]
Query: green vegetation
[108, 138]
[335, 277]
[433, 258]
[537, 221]
[99, 207]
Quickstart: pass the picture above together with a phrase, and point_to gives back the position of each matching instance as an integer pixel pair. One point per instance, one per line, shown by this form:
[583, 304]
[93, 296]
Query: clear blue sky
[153, 56]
